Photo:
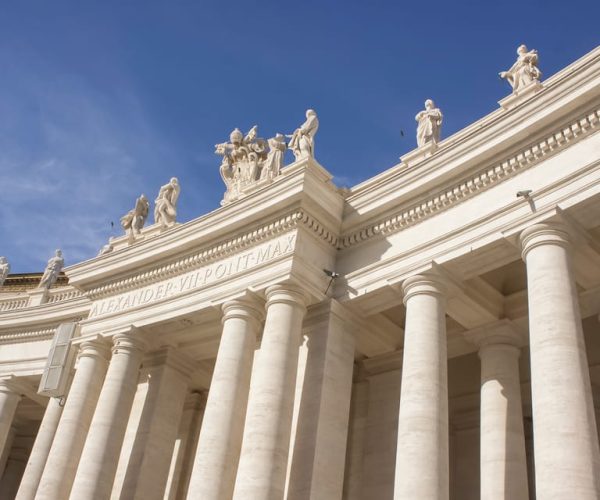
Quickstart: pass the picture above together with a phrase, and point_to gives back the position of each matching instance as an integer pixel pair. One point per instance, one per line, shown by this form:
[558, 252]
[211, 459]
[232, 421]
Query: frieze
[442, 200]
[198, 278]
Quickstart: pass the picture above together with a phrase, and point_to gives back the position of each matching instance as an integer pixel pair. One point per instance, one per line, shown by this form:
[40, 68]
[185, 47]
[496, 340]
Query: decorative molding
[60, 294]
[27, 335]
[224, 249]
[13, 303]
[474, 184]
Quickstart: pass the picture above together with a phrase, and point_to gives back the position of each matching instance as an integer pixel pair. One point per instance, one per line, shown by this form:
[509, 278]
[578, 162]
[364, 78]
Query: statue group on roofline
[165, 213]
[248, 159]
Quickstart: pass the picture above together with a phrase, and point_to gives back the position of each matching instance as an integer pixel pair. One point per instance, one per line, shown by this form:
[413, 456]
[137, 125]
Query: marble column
[217, 456]
[41, 449]
[324, 389]
[15, 466]
[169, 373]
[265, 447]
[60, 468]
[503, 462]
[185, 448]
[9, 399]
[99, 459]
[567, 459]
[422, 451]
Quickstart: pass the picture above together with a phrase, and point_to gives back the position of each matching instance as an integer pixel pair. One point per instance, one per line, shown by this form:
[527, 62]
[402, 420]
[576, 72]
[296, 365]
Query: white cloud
[71, 161]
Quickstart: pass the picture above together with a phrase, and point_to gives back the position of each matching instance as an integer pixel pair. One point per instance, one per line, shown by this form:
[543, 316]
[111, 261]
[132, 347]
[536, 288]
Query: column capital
[128, 343]
[427, 284]
[288, 293]
[498, 335]
[249, 309]
[547, 233]
[94, 348]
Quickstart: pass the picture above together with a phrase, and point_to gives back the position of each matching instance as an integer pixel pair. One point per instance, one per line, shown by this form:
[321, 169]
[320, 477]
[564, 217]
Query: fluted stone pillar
[503, 462]
[9, 399]
[60, 468]
[41, 449]
[567, 460]
[219, 445]
[100, 455]
[422, 451]
[265, 447]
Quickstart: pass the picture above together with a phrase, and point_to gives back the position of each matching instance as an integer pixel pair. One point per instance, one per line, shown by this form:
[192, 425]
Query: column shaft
[219, 445]
[503, 459]
[59, 471]
[148, 467]
[99, 459]
[265, 447]
[9, 399]
[41, 449]
[325, 376]
[567, 459]
[422, 452]
[187, 443]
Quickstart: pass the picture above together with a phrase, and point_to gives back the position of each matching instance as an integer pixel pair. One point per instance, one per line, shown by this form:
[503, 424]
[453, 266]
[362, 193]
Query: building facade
[431, 333]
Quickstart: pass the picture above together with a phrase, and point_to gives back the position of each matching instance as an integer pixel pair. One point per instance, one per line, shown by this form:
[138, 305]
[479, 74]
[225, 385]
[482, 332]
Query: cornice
[14, 336]
[33, 334]
[478, 182]
[292, 220]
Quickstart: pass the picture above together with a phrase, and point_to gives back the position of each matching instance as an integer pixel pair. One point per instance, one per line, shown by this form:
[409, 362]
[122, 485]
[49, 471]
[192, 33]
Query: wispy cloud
[71, 160]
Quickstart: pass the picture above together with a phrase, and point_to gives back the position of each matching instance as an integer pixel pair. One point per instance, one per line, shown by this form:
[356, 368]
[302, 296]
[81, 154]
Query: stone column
[422, 451]
[185, 448]
[100, 455]
[9, 399]
[503, 462]
[41, 449]
[567, 459]
[13, 472]
[326, 363]
[147, 471]
[60, 468]
[218, 452]
[265, 447]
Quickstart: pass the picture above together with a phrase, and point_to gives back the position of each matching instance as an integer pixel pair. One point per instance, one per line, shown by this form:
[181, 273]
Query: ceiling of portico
[509, 278]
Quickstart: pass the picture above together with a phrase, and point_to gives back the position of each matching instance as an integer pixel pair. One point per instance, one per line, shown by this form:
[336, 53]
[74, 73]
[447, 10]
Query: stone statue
[4, 269]
[133, 221]
[243, 159]
[524, 71]
[429, 124]
[272, 165]
[53, 269]
[302, 142]
[165, 205]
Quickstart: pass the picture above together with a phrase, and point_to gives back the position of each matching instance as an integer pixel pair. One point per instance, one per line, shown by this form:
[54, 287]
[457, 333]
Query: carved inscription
[198, 278]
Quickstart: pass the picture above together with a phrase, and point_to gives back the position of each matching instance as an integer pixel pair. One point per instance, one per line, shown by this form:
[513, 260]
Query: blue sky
[101, 101]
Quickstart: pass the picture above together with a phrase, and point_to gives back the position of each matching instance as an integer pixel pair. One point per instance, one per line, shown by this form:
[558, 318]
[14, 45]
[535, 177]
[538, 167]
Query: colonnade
[244, 441]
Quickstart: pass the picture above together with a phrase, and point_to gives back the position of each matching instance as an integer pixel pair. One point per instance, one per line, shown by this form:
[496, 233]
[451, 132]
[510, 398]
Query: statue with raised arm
[524, 71]
[429, 124]
[4, 269]
[165, 205]
[53, 269]
[133, 221]
[302, 141]
[274, 162]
